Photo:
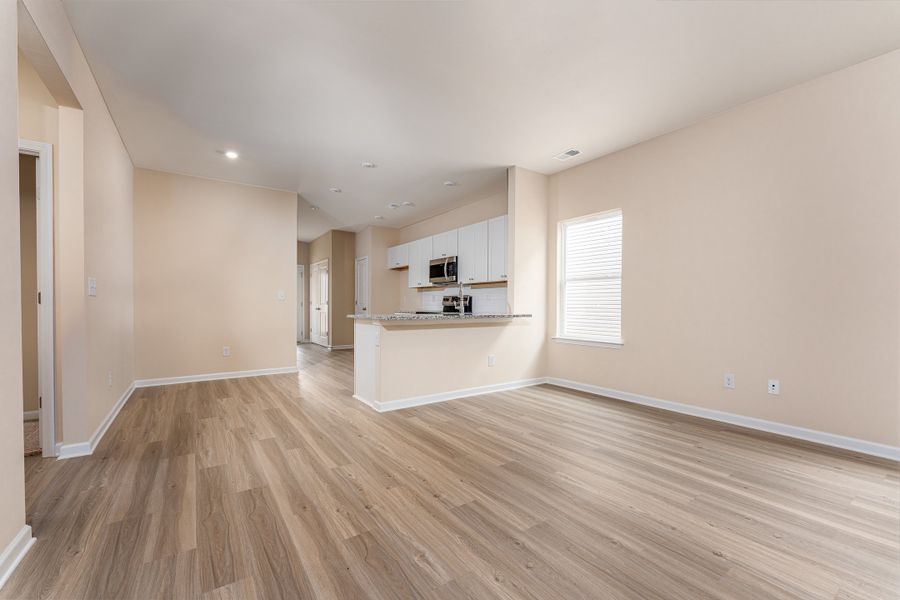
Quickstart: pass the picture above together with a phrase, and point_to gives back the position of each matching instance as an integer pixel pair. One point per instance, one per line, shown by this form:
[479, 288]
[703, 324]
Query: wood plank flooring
[286, 487]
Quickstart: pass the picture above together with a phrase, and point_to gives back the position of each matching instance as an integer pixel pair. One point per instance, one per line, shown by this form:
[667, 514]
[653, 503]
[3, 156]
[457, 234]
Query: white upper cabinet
[398, 256]
[473, 253]
[497, 249]
[419, 257]
[444, 244]
[480, 251]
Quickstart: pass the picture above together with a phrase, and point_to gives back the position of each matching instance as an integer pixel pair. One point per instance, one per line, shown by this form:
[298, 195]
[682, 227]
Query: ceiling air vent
[571, 152]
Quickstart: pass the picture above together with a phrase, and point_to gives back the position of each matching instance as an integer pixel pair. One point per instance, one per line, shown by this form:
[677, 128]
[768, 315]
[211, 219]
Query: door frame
[43, 152]
[320, 339]
[356, 298]
[301, 306]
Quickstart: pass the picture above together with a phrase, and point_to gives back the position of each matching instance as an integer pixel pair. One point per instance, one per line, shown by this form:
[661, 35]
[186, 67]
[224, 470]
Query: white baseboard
[14, 552]
[801, 433]
[31, 415]
[73, 450]
[452, 395]
[342, 347]
[141, 383]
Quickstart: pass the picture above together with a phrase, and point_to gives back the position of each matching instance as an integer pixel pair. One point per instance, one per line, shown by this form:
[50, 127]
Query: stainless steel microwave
[442, 270]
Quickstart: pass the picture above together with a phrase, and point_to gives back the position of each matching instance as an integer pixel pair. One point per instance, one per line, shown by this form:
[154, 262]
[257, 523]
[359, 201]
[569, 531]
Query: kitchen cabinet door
[419, 257]
[497, 249]
[473, 253]
[398, 256]
[444, 244]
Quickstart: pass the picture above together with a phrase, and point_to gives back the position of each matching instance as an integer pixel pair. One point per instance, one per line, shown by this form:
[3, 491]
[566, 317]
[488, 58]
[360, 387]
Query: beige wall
[94, 234]
[12, 470]
[339, 248]
[413, 359]
[342, 279]
[228, 250]
[385, 285]
[303, 259]
[527, 256]
[480, 207]
[28, 260]
[764, 243]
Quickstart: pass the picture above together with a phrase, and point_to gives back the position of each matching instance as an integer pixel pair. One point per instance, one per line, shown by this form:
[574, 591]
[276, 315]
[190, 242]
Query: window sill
[578, 342]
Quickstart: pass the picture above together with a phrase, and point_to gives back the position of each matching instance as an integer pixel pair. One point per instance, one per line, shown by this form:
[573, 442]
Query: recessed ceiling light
[231, 154]
[393, 206]
[314, 207]
[369, 165]
[409, 204]
[335, 190]
[566, 155]
[378, 217]
[451, 183]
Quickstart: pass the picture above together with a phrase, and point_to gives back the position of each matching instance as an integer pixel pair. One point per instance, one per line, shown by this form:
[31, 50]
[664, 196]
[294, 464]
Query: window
[590, 279]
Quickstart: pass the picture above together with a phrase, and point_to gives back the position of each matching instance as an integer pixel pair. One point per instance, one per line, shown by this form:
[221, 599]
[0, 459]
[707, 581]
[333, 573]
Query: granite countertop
[438, 317]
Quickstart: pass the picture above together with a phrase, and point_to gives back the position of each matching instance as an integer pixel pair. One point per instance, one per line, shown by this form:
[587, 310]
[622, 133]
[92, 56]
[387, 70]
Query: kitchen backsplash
[484, 300]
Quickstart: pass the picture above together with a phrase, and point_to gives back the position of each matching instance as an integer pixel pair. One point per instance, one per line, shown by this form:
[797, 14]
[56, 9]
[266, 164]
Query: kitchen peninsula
[405, 359]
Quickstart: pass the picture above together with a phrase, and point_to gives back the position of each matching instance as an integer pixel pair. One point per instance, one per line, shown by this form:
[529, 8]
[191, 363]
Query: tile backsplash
[484, 300]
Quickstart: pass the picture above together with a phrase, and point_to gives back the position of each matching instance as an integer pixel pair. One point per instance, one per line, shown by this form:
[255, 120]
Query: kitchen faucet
[460, 303]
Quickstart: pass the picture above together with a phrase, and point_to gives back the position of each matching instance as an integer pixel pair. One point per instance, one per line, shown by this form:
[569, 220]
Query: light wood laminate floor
[286, 487]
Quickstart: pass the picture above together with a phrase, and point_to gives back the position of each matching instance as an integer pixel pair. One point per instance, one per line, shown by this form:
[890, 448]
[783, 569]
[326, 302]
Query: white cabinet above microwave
[444, 245]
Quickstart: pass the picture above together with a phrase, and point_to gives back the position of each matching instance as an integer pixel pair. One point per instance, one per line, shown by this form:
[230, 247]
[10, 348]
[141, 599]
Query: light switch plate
[774, 387]
[92, 286]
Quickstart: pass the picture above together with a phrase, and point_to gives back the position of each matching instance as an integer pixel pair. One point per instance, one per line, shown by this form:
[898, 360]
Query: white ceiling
[307, 91]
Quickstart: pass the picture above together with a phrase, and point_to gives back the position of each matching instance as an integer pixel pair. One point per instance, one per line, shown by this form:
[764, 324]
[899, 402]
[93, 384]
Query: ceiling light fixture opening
[451, 183]
[369, 165]
[335, 190]
[393, 206]
[231, 154]
[409, 203]
[378, 217]
[313, 207]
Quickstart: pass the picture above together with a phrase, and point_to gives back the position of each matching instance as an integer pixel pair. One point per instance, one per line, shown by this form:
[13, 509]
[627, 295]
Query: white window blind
[590, 290]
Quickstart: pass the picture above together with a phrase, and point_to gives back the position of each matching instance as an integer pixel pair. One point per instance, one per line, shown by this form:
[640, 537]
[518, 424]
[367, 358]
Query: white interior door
[46, 373]
[318, 303]
[301, 304]
[361, 296]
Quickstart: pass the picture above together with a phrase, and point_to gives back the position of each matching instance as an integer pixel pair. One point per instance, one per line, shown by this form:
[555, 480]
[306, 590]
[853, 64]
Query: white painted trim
[142, 383]
[31, 415]
[452, 395]
[356, 299]
[46, 363]
[86, 448]
[341, 347]
[801, 433]
[14, 552]
[301, 304]
[616, 345]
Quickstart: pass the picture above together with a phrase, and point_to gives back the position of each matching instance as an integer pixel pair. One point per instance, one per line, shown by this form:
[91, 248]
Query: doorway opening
[318, 304]
[36, 252]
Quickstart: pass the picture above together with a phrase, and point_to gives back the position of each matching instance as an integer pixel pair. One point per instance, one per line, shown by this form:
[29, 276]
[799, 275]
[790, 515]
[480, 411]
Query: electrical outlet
[492, 360]
[109, 379]
[226, 350]
[729, 380]
[774, 387]
[281, 296]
